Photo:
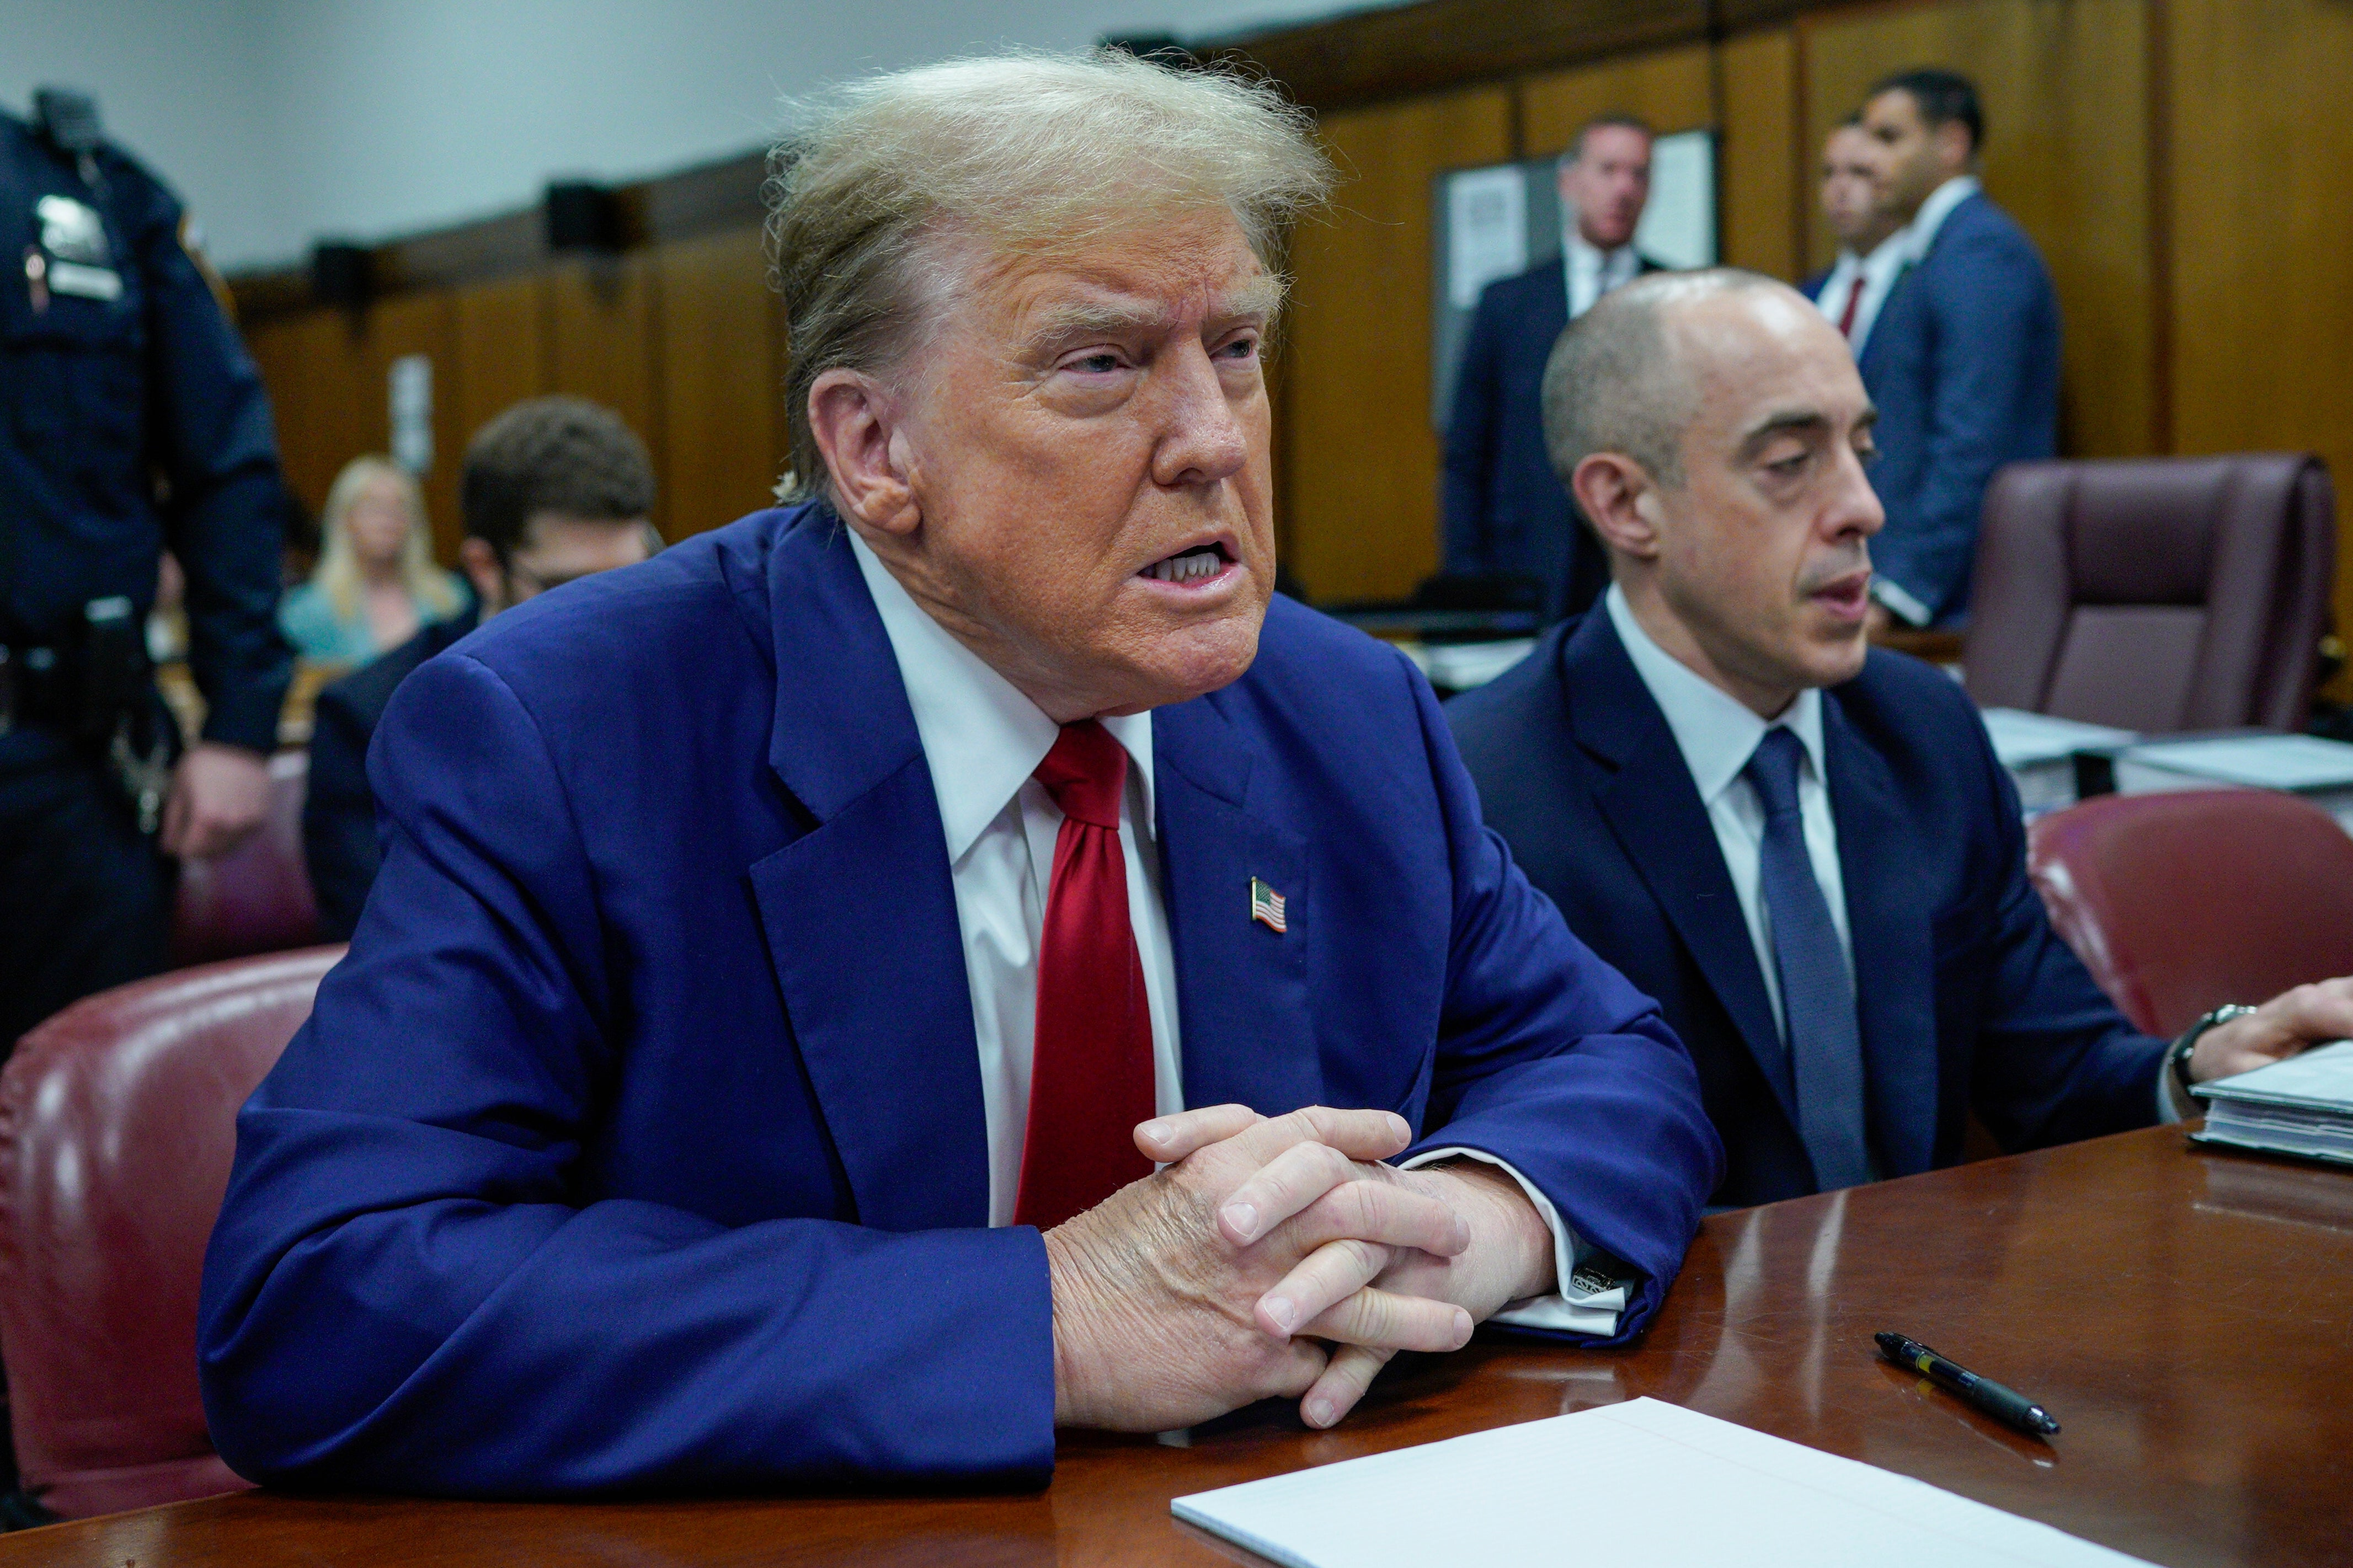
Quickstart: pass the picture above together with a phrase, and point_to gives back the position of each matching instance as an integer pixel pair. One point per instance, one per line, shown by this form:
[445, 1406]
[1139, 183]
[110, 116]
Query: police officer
[131, 420]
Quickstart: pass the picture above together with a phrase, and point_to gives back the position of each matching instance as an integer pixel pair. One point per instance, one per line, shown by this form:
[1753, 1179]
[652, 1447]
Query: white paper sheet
[1486, 230]
[1639, 1483]
[2021, 739]
[2321, 1078]
[2264, 762]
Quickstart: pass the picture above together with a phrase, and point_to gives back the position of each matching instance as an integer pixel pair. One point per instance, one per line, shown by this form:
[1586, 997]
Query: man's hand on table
[1510, 1258]
[2287, 1023]
[1211, 1283]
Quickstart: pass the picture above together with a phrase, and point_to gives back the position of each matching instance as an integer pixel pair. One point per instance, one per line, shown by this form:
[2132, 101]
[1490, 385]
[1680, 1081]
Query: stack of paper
[1643, 1484]
[2301, 1106]
[2039, 751]
[2320, 770]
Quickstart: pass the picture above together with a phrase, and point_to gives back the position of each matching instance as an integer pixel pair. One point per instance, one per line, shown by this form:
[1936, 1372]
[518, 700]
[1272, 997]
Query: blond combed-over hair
[1033, 155]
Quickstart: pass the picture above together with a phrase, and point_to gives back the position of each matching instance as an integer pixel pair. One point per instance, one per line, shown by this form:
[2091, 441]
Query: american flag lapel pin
[1266, 907]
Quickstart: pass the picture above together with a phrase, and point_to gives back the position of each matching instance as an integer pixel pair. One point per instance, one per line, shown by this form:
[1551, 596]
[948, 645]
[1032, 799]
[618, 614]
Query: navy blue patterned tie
[1817, 992]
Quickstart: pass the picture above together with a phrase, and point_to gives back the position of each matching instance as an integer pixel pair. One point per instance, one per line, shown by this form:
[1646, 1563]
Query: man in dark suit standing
[1505, 513]
[1804, 847]
[555, 488]
[1962, 360]
[1853, 288]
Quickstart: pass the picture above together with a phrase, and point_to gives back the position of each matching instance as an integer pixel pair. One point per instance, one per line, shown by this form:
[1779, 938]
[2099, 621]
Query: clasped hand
[1275, 1257]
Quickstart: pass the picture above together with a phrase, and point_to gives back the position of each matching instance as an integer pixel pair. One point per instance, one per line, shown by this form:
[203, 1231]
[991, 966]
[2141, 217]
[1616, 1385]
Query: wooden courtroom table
[2187, 1315]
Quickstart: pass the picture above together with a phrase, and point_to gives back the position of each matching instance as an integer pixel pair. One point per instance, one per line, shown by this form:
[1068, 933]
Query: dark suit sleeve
[408, 1290]
[1985, 304]
[338, 842]
[212, 439]
[2055, 1061]
[1470, 435]
[1551, 1061]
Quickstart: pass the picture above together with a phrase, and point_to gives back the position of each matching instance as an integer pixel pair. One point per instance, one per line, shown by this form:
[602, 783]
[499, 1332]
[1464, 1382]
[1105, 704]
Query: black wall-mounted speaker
[340, 274]
[582, 215]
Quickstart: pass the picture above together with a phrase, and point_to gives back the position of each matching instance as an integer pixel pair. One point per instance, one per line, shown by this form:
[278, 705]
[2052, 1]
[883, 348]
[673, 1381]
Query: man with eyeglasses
[555, 488]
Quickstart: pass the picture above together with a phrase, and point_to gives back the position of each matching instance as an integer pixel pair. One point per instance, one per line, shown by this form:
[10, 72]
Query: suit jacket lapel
[1655, 812]
[1247, 1034]
[1888, 916]
[860, 910]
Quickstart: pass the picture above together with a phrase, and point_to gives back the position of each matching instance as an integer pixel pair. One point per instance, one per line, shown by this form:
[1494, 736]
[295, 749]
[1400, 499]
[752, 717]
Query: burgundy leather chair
[2154, 594]
[2179, 902]
[257, 897]
[117, 1124]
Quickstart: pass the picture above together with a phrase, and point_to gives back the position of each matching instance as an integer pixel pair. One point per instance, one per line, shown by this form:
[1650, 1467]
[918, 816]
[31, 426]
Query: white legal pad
[1640, 1483]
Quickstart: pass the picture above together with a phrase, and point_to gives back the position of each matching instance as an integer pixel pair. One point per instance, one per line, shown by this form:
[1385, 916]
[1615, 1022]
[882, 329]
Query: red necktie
[1091, 1069]
[1853, 298]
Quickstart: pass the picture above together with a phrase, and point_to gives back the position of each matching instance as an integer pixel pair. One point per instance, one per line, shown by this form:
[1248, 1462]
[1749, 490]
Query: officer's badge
[81, 261]
[71, 231]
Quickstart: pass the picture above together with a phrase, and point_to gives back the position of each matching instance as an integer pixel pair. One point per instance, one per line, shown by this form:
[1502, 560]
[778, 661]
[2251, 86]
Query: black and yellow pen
[2005, 1406]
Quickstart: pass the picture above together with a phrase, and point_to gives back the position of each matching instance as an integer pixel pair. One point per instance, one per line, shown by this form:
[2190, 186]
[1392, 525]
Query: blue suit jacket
[1963, 364]
[1966, 998]
[1505, 510]
[638, 1142]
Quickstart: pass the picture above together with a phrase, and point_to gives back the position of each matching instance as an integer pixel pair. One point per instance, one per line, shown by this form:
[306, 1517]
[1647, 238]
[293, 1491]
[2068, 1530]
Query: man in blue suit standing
[1804, 847]
[792, 956]
[1871, 250]
[1963, 360]
[1505, 512]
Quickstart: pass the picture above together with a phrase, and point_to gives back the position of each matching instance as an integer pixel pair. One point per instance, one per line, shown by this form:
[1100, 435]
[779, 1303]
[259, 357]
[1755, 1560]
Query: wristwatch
[2176, 1055]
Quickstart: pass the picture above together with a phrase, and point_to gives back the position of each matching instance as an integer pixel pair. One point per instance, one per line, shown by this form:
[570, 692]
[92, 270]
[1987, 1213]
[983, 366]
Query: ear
[1953, 149]
[856, 421]
[482, 567]
[1617, 497]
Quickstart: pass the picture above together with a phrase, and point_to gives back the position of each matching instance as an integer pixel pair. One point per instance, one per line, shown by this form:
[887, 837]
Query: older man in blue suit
[1962, 361]
[792, 956]
[1802, 846]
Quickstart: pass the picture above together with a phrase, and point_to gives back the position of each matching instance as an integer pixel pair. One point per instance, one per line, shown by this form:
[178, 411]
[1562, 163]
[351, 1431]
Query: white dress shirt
[1874, 276]
[1593, 272]
[983, 739]
[1920, 234]
[1718, 734]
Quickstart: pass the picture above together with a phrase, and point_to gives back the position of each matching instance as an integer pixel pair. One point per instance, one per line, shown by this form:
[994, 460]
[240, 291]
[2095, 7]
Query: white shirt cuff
[1566, 1309]
[1900, 603]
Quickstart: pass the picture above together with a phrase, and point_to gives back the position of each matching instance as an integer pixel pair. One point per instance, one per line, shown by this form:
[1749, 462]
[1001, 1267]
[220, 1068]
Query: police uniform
[132, 419]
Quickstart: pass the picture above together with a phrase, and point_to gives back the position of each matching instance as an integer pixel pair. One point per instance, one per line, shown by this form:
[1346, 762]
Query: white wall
[286, 121]
[178, 84]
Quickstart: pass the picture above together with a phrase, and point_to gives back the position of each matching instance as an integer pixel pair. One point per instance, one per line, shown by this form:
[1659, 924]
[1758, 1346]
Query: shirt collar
[981, 735]
[1936, 210]
[1885, 257]
[1717, 732]
[1590, 259]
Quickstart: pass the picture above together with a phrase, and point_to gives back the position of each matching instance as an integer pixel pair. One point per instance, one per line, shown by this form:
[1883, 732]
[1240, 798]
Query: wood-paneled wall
[1356, 347]
[2181, 163]
[2067, 91]
[681, 339]
[2260, 196]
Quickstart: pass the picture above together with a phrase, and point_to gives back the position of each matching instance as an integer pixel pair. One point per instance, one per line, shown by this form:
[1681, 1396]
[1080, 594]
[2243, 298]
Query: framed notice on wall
[1504, 218]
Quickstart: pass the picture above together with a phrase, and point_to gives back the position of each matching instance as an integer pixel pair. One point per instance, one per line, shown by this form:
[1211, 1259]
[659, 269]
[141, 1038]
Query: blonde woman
[376, 584]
